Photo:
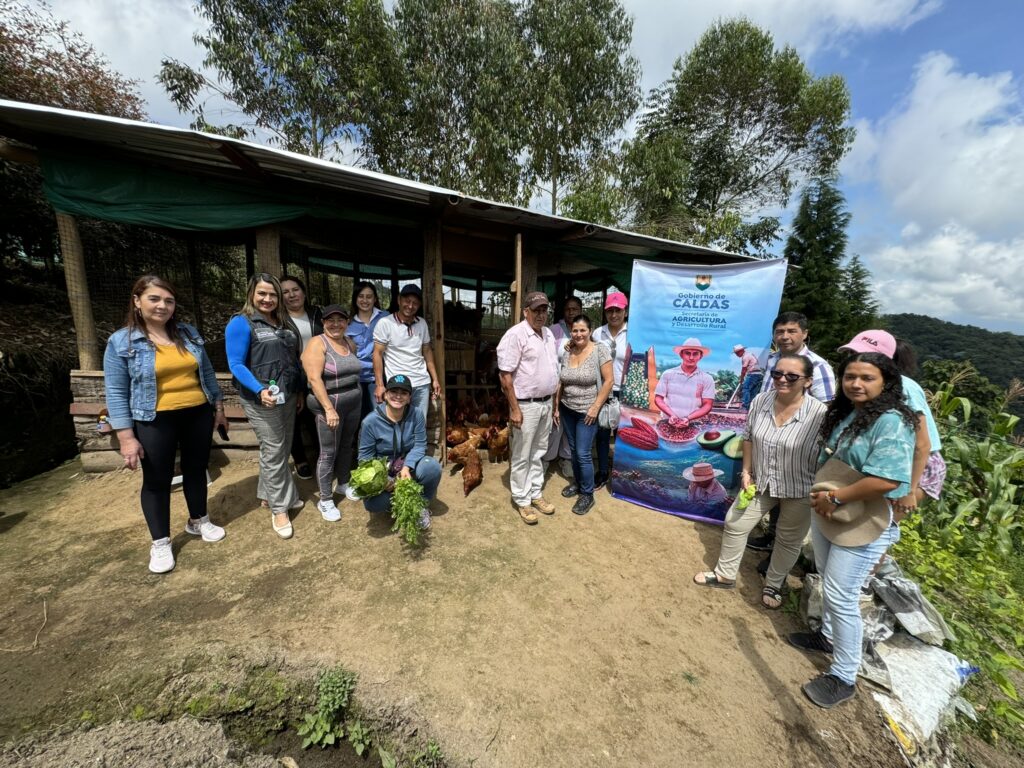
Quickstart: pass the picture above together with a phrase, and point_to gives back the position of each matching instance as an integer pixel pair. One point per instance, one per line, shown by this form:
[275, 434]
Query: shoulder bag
[608, 416]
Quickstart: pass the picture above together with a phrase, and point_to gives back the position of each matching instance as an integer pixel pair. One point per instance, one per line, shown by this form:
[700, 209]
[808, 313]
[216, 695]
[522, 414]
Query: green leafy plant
[369, 478]
[333, 696]
[407, 505]
[387, 760]
[430, 757]
[359, 737]
[964, 551]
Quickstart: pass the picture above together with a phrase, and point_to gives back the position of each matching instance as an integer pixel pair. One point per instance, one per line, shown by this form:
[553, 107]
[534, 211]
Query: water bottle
[276, 393]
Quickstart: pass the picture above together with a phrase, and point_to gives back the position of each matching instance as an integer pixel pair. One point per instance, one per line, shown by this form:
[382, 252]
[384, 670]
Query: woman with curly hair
[867, 453]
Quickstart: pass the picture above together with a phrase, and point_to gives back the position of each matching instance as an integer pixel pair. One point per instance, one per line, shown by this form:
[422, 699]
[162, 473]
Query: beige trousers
[794, 522]
[528, 444]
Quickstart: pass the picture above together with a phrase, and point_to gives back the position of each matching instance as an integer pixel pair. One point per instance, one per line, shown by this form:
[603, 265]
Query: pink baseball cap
[881, 342]
[617, 300]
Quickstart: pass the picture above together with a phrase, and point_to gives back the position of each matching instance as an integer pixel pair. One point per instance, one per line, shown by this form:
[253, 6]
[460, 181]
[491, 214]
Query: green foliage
[430, 757]
[369, 478]
[635, 391]
[407, 505]
[965, 552]
[359, 737]
[582, 84]
[836, 297]
[325, 727]
[307, 71]
[997, 357]
[726, 383]
[730, 133]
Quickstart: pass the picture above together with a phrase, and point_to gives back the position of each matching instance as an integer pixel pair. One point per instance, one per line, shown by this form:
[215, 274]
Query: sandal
[712, 580]
[771, 598]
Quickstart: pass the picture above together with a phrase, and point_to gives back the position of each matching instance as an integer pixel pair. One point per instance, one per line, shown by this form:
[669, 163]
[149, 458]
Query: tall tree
[43, 61]
[747, 122]
[583, 85]
[309, 72]
[859, 307]
[815, 251]
[457, 118]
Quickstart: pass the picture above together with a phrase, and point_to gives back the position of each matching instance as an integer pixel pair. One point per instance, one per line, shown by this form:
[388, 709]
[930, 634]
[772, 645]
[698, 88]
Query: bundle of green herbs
[407, 505]
[369, 478]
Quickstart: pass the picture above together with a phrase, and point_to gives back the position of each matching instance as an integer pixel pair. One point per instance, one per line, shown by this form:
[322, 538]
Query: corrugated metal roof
[196, 152]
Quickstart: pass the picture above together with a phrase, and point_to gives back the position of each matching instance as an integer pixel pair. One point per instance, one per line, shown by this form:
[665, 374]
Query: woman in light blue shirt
[870, 428]
[366, 312]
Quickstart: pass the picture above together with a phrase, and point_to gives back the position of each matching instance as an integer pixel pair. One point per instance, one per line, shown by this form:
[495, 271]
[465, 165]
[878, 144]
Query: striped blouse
[784, 458]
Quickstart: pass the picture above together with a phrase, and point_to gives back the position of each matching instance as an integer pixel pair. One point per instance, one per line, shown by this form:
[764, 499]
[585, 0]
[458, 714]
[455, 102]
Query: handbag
[855, 523]
[608, 416]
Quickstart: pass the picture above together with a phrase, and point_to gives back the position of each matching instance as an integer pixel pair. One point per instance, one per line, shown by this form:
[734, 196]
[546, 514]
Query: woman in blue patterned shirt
[869, 428]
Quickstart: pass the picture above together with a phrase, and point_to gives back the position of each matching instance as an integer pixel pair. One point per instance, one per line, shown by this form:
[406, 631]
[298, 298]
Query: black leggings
[187, 428]
[304, 422]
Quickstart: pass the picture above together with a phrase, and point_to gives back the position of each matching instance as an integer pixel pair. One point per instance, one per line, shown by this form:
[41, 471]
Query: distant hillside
[998, 357]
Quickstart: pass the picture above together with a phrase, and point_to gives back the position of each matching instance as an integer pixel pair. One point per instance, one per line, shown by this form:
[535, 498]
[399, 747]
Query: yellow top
[177, 379]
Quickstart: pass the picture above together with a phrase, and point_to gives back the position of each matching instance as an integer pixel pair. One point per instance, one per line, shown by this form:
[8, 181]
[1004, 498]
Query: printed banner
[691, 331]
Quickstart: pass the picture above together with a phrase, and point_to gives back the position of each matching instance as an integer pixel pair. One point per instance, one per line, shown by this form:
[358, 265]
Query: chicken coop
[231, 207]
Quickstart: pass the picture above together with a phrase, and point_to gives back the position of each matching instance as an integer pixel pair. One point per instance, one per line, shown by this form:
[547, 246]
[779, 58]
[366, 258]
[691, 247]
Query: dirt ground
[578, 641]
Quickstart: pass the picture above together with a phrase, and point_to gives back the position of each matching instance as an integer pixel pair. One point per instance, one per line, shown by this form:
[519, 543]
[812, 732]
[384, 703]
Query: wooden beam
[15, 154]
[78, 292]
[433, 309]
[268, 250]
[517, 289]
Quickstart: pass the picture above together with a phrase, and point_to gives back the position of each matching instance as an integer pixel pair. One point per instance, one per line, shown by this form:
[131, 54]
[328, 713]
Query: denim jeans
[427, 474]
[581, 443]
[843, 570]
[421, 400]
[751, 387]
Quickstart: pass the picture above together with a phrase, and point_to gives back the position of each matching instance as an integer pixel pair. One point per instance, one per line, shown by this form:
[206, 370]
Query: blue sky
[935, 181]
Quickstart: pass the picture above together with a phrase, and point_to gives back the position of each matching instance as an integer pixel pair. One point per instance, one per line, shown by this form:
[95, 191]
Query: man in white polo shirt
[401, 345]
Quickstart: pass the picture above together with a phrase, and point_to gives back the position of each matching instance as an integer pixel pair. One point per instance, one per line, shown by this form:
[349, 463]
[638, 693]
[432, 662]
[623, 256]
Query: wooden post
[195, 278]
[268, 250]
[78, 293]
[517, 286]
[433, 309]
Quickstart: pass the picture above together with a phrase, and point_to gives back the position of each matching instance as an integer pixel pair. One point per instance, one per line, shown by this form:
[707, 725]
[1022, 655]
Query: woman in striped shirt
[780, 454]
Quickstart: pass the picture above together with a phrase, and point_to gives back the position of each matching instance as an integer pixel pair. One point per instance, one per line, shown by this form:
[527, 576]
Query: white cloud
[956, 275]
[946, 164]
[663, 31]
[135, 37]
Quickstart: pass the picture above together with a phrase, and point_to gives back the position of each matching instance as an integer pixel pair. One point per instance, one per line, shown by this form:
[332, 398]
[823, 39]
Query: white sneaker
[328, 511]
[203, 527]
[161, 557]
[424, 518]
[349, 491]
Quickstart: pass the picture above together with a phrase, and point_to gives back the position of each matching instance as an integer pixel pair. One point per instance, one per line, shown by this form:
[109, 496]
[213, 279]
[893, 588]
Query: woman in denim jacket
[162, 396]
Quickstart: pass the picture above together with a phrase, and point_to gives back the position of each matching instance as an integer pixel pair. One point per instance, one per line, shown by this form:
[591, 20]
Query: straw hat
[692, 343]
[855, 523]
[698, 473]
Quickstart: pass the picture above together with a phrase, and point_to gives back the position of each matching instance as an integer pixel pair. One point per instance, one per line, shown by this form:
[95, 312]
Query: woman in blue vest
[263, 355]
[163, 397]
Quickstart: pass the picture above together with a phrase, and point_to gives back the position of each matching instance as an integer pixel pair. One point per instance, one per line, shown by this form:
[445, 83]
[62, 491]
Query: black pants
[189, 430]
[305, 422]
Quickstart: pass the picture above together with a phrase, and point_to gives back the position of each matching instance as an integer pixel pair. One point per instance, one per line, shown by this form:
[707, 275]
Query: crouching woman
[397, 433]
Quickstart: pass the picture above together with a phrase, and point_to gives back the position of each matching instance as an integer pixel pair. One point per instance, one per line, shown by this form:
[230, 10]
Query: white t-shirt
[304, 328]
[404, 348]
[617, 346]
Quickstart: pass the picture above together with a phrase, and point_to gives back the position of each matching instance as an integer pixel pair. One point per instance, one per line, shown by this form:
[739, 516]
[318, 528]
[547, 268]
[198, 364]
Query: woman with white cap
[613, 336]
[332, 370]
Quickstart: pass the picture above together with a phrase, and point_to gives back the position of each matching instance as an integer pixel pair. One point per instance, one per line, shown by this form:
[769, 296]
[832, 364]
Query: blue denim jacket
[129, 374]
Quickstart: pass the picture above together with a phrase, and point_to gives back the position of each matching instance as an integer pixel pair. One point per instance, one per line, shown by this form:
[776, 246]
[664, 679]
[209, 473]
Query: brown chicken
[460, 454]
[472, 473]
[497, 445]
[457, 434]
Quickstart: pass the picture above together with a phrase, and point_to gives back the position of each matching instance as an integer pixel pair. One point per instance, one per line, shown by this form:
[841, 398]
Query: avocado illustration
[714, 438]
[734, 448]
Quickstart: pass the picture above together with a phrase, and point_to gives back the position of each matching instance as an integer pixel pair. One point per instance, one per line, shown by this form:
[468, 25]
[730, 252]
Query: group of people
[557, 381]
[344, 371]
[844, 462]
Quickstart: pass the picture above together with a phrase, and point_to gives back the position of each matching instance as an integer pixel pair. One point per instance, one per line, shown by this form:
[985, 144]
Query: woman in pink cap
[613, 336]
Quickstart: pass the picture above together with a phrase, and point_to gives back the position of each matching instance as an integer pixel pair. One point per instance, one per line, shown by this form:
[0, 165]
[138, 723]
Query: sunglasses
[790, 377]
